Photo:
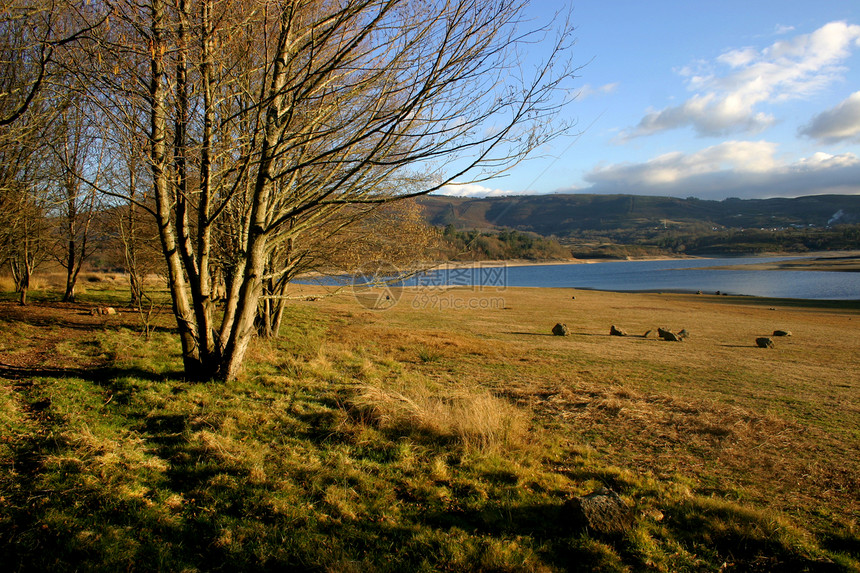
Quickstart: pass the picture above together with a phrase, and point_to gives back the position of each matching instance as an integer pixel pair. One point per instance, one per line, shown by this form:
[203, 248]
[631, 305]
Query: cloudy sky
[710, 99]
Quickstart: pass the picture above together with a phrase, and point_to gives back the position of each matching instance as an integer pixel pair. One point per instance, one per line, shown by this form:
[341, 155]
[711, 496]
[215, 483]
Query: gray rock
[560, 330]
[668, 335]
[602, 512]
[764, 342]
[781, 333]
[615, 331]
[683, 333]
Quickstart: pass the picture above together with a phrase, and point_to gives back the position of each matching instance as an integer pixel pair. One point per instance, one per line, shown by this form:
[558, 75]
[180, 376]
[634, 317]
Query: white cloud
[729, 90]
[588, 90]
[475, 190]
[731, 169]
[840, 123]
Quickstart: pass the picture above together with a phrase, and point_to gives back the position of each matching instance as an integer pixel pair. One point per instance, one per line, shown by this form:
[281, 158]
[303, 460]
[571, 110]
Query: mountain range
[563, 215]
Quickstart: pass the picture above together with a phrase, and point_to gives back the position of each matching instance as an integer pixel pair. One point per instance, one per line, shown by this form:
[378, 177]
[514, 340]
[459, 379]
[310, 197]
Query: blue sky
[705, 98]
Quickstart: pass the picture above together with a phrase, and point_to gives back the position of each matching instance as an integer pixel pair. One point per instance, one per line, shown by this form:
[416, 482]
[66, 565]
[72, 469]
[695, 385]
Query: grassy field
[445, 433]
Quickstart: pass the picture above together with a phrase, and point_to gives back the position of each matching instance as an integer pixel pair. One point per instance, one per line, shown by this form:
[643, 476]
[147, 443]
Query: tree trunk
[71, 273]
[194, 368]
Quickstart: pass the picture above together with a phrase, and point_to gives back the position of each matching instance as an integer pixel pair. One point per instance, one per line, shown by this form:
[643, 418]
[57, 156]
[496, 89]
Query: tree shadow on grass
[64, 509]
[74, 316]
[98, 375]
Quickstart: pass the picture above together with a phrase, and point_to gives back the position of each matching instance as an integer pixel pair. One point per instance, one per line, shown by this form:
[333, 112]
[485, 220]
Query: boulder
[668, 335]
[781, 333]
[560, 330]
[103, 311]
[764, 342]
[602, 512]
[615, 331]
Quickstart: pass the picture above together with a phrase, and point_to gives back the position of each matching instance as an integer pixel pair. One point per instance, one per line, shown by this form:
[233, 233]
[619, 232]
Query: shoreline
[552, 262]
[705, 296]
[827, 261]
[838, 261]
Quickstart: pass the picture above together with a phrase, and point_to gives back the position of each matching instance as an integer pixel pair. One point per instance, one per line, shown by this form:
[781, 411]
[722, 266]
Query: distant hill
[566, 215]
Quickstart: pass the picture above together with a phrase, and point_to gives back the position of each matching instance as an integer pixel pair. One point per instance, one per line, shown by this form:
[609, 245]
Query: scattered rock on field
[668, 335]
[602, 512]
[781, 333]
[615, 331]
[560, 329]
[683, 333]
[764, 342]
[103, 311]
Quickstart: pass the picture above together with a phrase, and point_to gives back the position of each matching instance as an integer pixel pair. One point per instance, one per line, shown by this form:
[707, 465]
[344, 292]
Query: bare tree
[269, 120]
[76, 153]
[24, 230]
[25, 240]
[34, 35]
[35, 40]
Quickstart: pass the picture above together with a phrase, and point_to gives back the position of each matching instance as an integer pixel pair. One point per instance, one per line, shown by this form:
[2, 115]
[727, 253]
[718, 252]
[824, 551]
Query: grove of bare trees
[263, 137]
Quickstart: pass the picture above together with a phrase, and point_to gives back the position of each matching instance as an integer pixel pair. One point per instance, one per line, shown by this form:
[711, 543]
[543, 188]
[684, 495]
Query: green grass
[352, 444]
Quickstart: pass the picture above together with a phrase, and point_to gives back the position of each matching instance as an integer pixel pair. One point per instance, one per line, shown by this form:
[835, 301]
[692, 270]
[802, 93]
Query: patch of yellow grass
[6, 283]
[473, 417]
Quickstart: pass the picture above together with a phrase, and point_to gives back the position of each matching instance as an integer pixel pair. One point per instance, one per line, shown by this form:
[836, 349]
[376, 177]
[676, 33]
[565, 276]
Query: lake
[685, 275]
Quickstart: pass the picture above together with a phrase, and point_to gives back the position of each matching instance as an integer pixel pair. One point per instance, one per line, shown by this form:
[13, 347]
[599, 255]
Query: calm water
[688, 275]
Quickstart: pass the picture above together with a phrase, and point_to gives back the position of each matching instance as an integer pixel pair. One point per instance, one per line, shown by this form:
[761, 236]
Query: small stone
[781, 333]
[560, 330]
[615, 331]
[602, 512]
[764, 342]
[668, 335]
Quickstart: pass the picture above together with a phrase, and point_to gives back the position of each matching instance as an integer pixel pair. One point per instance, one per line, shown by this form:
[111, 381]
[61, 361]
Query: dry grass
[472, 417]
[780, 426]
[414, 439]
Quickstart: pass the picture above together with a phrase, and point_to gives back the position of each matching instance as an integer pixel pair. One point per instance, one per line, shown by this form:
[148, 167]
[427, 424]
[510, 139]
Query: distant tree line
[478, 246]
[753, 241]
[700, 239]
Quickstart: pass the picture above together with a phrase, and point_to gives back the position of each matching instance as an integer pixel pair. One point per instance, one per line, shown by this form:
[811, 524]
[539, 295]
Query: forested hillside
[565, 215]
